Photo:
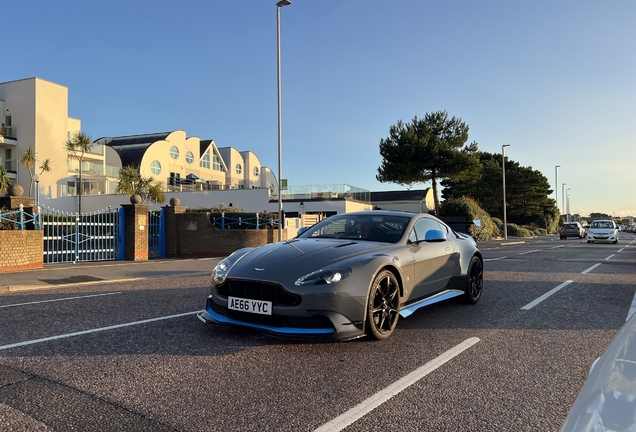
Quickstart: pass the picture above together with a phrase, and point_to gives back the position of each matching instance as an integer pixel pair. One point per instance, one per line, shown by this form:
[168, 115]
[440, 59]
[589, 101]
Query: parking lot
[124, 351]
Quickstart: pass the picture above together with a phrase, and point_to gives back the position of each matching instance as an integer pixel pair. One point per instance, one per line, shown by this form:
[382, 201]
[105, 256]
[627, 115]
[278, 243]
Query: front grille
[257, 290]
[312, 322]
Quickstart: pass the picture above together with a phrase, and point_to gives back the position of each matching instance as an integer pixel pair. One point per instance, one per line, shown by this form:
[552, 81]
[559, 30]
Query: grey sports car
[348, 276]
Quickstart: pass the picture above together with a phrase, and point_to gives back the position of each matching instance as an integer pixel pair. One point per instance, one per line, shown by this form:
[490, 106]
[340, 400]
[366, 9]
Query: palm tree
[131, 182]
[79, 143]
[5, 181]
[29, 161]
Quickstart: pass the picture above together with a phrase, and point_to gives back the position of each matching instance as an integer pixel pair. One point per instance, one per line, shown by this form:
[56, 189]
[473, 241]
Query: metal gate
[95, 236]
[156, 234]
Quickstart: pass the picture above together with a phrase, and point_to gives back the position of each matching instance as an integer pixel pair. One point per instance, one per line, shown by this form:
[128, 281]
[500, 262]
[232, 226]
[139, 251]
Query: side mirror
[301, 230]
[434, 236]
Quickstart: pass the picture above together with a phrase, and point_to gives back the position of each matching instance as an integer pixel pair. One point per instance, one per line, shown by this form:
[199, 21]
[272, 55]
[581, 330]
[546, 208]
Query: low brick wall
[21, 250]
[193, 235]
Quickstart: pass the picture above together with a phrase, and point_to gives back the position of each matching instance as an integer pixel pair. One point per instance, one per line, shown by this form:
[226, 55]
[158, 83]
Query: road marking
[382, 396]
[529, 252]
[100, 329]
[556, 247]
[586, 271]
[546, 295]
[61, 299]
[610, 257]
[621, 249]
[495, 259]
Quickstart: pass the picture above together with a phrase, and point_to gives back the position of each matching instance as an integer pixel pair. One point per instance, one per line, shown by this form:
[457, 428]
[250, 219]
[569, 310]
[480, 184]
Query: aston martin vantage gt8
[349, 275]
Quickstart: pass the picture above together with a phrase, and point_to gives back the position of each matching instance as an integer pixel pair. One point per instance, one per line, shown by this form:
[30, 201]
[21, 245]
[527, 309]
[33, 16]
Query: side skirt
[444, 295]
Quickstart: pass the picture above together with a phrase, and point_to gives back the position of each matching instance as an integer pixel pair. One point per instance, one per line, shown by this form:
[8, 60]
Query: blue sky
[555, 80]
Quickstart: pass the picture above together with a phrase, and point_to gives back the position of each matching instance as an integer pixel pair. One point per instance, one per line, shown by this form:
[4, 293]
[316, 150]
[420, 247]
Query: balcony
[8, 136]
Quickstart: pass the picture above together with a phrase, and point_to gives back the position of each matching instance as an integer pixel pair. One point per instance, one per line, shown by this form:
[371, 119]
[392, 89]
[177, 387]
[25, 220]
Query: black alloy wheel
[474, 281]
[383, 306]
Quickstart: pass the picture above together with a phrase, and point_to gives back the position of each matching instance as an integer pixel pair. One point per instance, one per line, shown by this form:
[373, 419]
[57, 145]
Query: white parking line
[529, 252]
[83, 332]
[546, 295]
[382, 396]
[55, 300]
[621, 250]
[556, 247]
[495, 259]
[586, 271]
[610, 257]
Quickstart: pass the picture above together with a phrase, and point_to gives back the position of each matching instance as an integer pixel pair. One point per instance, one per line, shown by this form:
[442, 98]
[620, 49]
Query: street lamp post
[503, 171]
[567, 205]
[281, 217]
[563, 197]
[36, 180]
[556, 186]
[36, 209]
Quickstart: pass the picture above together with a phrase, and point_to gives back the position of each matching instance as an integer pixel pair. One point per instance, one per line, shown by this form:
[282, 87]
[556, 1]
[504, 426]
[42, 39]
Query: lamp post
[280, 4]
[503, 171]
[36, 180]
[556, 186]
[567, 205]
[563, 198]
[36, 210]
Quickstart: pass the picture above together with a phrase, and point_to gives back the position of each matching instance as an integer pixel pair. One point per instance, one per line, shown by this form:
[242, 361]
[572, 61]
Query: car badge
[258, 269]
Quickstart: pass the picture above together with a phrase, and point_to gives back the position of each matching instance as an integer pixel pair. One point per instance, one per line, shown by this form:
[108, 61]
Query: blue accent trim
[444, 295]
[213, 316]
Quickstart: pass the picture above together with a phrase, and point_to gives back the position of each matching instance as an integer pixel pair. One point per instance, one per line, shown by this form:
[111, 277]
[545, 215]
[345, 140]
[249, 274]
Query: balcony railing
[9, 132]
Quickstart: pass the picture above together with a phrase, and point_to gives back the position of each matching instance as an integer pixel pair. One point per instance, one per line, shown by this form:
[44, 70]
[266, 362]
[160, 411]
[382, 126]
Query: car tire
[383, 306]
[474, 281]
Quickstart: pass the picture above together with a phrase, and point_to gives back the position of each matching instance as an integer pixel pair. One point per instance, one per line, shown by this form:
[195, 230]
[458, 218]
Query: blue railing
[21, 218]
[256, 222]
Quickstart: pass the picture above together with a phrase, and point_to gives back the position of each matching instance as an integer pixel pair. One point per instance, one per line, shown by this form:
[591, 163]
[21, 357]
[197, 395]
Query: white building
[35, 114]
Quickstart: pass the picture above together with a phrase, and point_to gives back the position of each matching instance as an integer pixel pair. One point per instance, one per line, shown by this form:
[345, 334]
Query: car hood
[297, 257]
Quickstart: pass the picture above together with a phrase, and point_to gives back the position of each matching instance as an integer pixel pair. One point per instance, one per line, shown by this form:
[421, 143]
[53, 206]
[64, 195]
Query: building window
[239, 168]
[217, 166]
[205, 160]
[174, 152]
[189, 157]
[255, 171]
[155, 167]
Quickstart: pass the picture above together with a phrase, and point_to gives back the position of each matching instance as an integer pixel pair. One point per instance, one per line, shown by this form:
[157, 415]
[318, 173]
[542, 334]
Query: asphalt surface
[67, 274]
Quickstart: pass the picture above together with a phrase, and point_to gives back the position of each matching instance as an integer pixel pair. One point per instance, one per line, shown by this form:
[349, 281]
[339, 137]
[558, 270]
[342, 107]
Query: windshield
[371, 227]
[603, 224]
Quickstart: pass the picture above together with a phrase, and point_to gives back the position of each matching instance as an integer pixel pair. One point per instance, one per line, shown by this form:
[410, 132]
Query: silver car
[607, 401]
[348, 276]
[602, 231]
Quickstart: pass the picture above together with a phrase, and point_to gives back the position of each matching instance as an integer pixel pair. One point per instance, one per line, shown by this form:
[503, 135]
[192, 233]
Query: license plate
[249, 305]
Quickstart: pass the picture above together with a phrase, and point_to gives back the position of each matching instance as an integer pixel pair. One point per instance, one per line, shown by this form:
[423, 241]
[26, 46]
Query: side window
[422, 226]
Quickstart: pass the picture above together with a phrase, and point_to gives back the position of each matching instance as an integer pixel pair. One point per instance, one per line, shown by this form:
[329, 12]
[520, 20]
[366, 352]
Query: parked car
[350, 275]
[603, 231]
[571, 229]
[607, 401]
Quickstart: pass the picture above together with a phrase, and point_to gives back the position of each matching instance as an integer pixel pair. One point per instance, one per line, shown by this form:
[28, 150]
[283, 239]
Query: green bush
[468, 207]
[515, 230]
[5, 220]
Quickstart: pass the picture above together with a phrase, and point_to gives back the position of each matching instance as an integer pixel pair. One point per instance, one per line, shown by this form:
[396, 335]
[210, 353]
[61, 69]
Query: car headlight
[324, 276]
[220, 272]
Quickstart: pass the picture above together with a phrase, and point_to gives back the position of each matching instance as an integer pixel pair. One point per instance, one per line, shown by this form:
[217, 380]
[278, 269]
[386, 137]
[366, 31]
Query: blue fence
[156, 234]
[95, 236]
[20, 218]
[256, 222]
